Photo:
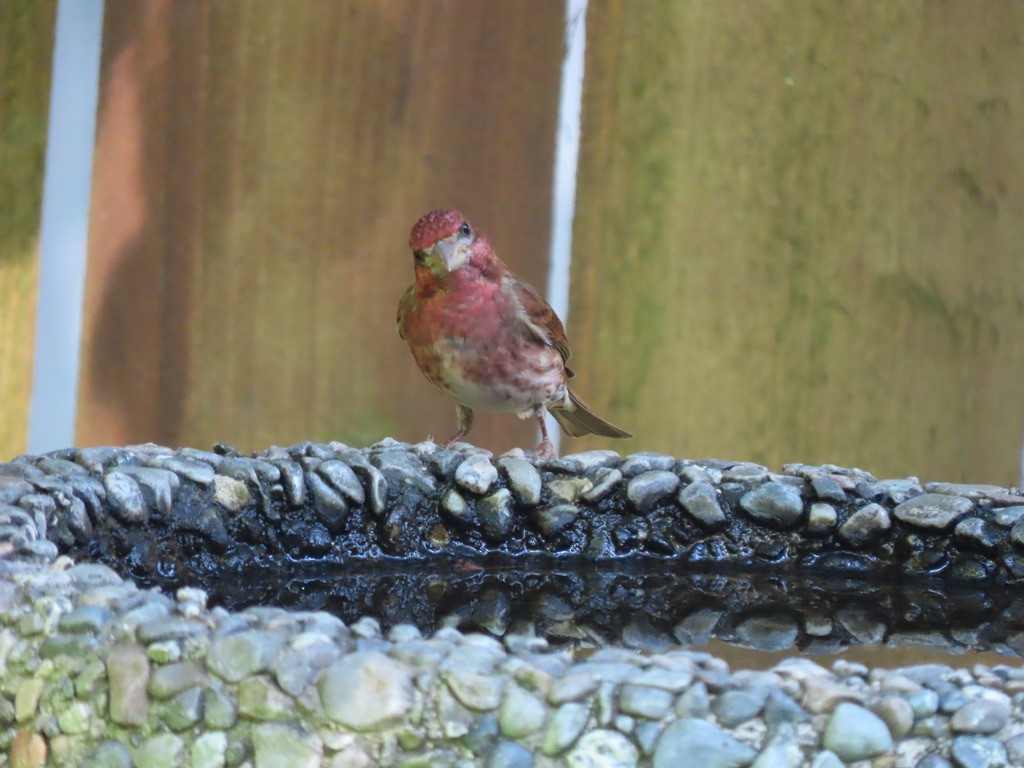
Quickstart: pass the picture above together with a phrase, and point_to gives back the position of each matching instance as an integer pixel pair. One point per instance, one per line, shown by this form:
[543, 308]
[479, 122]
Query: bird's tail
[577, 419]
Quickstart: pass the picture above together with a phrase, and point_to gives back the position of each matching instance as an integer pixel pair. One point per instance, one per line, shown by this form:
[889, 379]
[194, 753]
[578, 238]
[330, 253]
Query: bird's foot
[546, 450]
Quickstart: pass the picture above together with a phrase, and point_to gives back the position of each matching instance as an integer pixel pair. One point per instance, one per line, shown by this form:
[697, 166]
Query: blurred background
[798, 235]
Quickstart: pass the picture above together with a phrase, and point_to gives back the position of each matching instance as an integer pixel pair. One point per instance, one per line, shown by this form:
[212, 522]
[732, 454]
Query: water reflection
[754, 618]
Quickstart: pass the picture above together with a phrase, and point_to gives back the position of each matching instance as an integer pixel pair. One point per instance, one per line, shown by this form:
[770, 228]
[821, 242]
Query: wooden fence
[798, 234]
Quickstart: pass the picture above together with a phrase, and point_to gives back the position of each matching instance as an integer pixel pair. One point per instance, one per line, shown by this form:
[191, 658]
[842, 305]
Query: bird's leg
[465, 424]
[546, 449]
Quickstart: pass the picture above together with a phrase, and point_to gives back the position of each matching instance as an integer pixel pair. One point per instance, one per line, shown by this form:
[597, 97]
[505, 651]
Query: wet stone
[1007, 517]
[523, 479]
[700, 499]
[552, 520]
[198, 472]
[780, 708]
[85, 619]
[260, 699]
[975, 533]
[184, 710]
[774, 503]
[219, 710]
[330, 505]
[978, 752]
[128, 675]
[605, 479]
[646, 490]
[932, 510]
[208, 750]
[164, 750]
[171, 679]
[855, 733]
[774, 632]
[924, 702]
[476, 474]
[897, 714]
[690, 741]
[110, 754]
[341, 478]
[827, 488]
[865, 525]
[569, 488]
[293, 481]
[456, 507]
[376, 486]
[495, 514]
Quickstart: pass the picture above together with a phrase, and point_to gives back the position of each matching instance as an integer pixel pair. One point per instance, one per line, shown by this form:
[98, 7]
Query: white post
[65, 224]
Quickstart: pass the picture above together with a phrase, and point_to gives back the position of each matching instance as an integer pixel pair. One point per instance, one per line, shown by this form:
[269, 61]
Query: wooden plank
[26, 54]
[259, 166]
[798, 232]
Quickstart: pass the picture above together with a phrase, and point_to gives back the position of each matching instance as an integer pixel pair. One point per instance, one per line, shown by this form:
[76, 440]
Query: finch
[484, 337]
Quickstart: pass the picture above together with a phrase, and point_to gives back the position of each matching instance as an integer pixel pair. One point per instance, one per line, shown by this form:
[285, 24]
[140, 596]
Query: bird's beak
[444, 252]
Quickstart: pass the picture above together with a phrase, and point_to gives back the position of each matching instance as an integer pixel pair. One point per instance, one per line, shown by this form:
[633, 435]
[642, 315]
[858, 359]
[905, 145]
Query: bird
[484, 337]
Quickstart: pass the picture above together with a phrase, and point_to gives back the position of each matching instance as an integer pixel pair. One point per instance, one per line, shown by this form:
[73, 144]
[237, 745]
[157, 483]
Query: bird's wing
[403, 307]
[538, 316]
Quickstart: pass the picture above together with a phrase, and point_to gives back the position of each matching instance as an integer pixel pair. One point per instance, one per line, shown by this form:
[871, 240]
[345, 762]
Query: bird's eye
[464, 230]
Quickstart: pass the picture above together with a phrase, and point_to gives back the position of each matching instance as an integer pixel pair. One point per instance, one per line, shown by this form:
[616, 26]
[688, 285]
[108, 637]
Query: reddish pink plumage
[485, 338]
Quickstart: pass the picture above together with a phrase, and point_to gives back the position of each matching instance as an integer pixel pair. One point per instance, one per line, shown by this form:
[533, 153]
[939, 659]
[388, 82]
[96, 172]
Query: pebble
[523, 479]
[978, 752]
[865, 525]
[774, 503]
[775, 632]
[700, 499]
[553, 520]
[605, 479]
[476, 474]
[509, 754]
[689, 741]
[932, 510]
[855, 733]
[241, 654]
[164, 750]
[565, 726]
[646, 490]
[495, 514]
[342, 478]
[278, 745]
[521, 713]
[645, 701]
[365, 690]
[980, 716]
[125, 497]
[734, 707]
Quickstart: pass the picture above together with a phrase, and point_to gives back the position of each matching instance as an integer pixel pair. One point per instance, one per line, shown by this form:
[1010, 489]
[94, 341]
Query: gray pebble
[565, 727]
[975, 533]
[219, 711]
[771, 632]
[110, 754]
[646, 490]
[924, 702]
[13, 488]
[476, 689]
[453, 503]
[855, 733]
[521, 713]
[164, 750]
[158, 485]
[827, 488]
[125, 497]
[781, 751]
[523, 479]
[865, 525]
[237, 656]
[980, 716]
[1007, 517]
[171, 679]
[476, 474]
[932, 510]
[737, 706]
[366, 690]
[827, 759]
[185, 709]
[552, 520]
[645, 701]
[774, 503]
[690, 741]
[128, 676]
[495, 514]
[342, 478]
[978, 752]
[894, 491]
[897, 714]
[508, 754]
[584, 463]
[645, 461]
[700, 499]
[694, 702]
[296, 667]
[330, 505]
[277, 745]
[605, 479]
[293, 481]
[85, 619]
[601, 748]
[780, 708]
[199, 472]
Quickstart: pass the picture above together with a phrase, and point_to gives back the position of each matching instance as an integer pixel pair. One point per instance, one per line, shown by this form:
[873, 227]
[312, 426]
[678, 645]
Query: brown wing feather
[540, 318]
[403, 306]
